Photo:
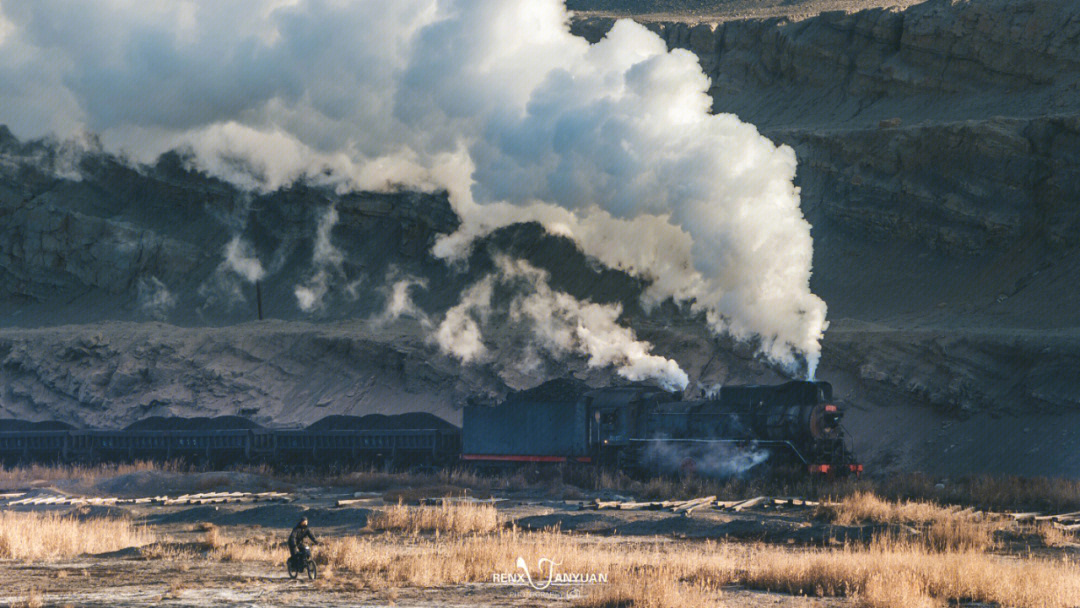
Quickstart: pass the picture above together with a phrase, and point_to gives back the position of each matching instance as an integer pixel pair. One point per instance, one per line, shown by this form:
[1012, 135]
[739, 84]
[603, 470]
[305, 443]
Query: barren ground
[178, 569]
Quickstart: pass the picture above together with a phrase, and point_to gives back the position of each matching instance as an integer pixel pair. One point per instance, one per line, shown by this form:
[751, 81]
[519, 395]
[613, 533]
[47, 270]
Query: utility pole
[258, 298]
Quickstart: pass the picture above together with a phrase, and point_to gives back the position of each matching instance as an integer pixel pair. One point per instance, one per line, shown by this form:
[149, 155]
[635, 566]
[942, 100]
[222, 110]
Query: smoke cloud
[326, 260]
[154, 297]
[399, 302]
[559, 324]
[459, 333]
[240, 259]
[719, 460]
[611, 144]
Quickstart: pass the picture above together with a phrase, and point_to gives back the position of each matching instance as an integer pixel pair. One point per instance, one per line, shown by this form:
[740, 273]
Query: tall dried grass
[1052, 536]
[866, 507]
[22, 475]
[42, 536]
[939, 528]
[447, 518]
[887, 574]
[894, 574]
[656, 591]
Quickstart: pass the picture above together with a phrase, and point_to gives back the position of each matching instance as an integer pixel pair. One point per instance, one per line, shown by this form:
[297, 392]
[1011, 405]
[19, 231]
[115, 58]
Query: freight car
[648, 428]
[386, 447]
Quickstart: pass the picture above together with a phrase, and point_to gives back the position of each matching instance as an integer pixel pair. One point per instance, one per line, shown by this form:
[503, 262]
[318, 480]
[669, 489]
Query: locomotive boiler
[728, 432]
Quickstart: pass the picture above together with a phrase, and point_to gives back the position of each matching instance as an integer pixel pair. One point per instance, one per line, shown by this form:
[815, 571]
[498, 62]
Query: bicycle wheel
[293, 572]
[312, 570]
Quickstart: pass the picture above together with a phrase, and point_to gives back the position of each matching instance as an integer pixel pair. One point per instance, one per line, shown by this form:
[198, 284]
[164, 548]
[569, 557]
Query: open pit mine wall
[953, 124]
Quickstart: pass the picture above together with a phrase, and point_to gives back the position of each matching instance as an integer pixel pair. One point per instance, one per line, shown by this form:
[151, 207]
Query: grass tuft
[47, 536]
[447, 518]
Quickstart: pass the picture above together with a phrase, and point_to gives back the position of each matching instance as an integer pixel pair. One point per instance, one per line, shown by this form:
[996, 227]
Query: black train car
[406, 440]
[726, 433]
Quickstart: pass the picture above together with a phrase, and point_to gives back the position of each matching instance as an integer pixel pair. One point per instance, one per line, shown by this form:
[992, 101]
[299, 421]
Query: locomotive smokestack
[258, 298]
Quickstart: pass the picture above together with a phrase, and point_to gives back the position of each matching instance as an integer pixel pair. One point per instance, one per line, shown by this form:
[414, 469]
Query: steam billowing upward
[610, 144]
[560, 323]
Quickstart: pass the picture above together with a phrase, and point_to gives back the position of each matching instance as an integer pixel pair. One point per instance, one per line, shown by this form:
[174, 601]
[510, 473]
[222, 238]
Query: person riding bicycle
[296, 539]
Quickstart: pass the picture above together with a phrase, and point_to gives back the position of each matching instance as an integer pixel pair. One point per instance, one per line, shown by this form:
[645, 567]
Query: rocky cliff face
[942, 59]
[949, 124]
[939, 161]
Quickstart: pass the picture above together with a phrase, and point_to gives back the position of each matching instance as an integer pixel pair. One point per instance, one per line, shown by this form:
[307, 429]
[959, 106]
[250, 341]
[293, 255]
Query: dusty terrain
[229, 553]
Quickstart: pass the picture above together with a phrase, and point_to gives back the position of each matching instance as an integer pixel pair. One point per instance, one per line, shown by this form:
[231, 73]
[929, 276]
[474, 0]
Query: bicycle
[303, 561]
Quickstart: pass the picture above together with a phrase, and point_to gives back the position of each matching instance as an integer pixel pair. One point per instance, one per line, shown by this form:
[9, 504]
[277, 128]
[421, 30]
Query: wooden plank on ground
[693, 504]
[747, 504]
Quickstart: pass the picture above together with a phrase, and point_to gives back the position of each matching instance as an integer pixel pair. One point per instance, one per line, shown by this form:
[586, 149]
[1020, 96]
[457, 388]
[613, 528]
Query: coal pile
[13, 425]
[382, 422]
[198, 423]
[558, 390]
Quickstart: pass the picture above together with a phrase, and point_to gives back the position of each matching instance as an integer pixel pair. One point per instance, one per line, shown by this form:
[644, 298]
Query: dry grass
[866, 507]
[447, 518]
[264, 549]
[23, 475]
[1052, 536]
[251, 549]
[887, 574]
[42, 536]
[32, 600]
[469, 546]
[892, 574]
[938, 528]
[906, 590]
[657, 592]
[212, 537]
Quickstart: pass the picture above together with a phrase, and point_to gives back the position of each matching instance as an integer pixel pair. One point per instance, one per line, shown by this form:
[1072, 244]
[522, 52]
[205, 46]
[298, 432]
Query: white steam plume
[459, 333]
[240, 259]
[716, 460]
[560, 323]
[563, 324]
[326, 259]
[611, 144]
[399, 302]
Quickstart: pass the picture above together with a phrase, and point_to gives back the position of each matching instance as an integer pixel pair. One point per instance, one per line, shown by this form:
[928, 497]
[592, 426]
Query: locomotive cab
[614, 418]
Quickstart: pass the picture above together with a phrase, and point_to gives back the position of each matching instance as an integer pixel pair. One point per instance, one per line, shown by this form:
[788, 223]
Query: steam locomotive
[725, 433]
[634, 427]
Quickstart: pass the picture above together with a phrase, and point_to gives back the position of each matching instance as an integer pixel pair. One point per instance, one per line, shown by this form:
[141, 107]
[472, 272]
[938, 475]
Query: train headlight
[832, 415]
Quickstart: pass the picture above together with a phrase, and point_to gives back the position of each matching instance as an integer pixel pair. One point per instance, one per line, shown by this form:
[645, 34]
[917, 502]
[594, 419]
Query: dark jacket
[298, 535]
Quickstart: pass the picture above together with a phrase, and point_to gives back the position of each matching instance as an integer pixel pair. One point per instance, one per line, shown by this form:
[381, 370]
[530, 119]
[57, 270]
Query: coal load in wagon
[382, 422]
[198, 423]
[14, 425]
